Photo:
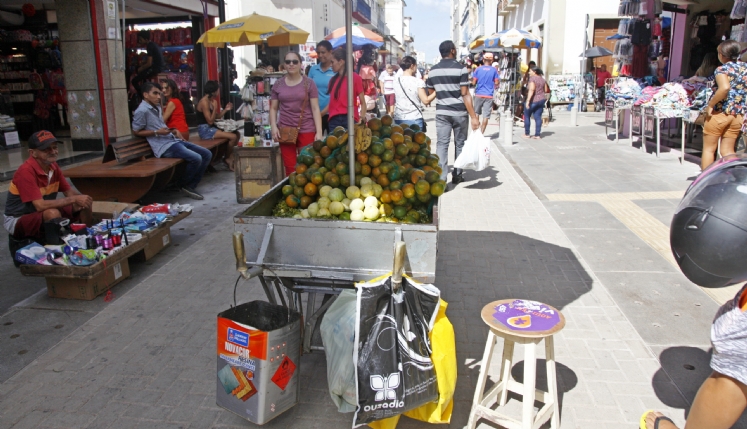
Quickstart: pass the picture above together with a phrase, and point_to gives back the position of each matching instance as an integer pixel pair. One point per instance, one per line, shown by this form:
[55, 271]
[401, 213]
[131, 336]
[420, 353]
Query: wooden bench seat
[129, 170]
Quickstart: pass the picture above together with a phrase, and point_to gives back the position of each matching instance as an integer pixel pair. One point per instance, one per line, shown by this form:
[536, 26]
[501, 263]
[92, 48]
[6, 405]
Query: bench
[129, 170]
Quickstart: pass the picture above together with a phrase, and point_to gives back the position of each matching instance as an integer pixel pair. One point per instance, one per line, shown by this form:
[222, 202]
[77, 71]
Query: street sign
[609, 112]
[649, 122]
[636, 119]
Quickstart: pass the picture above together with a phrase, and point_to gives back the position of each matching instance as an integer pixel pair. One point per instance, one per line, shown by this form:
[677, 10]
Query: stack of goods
[699, 98]
[7, 123]
[83, 246]
[397, 179]
[624, 92]
[670, 100]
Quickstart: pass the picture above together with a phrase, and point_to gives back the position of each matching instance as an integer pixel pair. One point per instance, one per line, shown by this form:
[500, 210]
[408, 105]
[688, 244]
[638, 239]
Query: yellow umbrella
[253, 29]
[477, 42]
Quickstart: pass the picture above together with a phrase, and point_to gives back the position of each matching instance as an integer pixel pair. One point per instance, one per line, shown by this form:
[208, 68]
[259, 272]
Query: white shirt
[387, 81]
[417, 73]
[403, 107]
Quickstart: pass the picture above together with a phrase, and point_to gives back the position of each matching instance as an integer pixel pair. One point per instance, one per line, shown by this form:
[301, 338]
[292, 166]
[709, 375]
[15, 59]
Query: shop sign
[636, 119]
[609, 112]
[649, 122]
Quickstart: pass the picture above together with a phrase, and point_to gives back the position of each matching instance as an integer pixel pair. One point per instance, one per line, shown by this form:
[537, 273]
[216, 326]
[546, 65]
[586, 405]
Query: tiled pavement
[148, 359]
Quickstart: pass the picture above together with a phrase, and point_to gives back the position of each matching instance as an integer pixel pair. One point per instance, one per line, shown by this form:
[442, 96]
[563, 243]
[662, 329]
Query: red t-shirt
[31, 183]
[177, 119]
[338, 100]
[602, 77]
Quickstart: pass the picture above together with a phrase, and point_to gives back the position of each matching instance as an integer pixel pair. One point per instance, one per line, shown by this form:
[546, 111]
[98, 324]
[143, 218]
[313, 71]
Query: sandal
[525, 136]
[536, 137]
[642, 424]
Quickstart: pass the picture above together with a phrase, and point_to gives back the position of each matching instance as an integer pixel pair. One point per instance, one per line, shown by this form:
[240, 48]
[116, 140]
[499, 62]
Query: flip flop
[642, 424]
[525, 137]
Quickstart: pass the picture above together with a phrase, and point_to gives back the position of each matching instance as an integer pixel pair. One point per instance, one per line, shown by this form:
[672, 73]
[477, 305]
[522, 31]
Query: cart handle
[238, 251]
[399, 265]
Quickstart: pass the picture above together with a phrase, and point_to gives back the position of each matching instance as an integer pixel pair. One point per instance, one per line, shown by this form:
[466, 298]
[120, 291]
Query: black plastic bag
[394, 370]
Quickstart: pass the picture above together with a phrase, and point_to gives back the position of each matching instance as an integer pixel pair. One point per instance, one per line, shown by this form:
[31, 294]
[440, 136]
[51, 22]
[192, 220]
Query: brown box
[88, 288]
[257, 170]
[158, 239]
[104, 209]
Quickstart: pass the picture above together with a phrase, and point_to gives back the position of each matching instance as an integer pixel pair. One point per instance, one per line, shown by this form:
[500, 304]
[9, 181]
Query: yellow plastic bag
[445, 363]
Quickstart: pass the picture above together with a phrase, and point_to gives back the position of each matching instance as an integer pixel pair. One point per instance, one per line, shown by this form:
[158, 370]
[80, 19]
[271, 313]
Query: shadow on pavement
[485, 179]
[567, 379]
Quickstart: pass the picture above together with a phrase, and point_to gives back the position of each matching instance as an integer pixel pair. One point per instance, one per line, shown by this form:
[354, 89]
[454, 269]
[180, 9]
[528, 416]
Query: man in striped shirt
[454, 108]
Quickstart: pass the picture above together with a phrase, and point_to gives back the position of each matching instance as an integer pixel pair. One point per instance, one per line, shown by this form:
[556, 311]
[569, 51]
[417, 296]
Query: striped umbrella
[513, 37]
[361, 37]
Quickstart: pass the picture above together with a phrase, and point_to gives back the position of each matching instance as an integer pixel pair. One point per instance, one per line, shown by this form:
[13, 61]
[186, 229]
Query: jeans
[338, 121]
[444, 127]
[418, 122]
[198, 158]
[534, 111]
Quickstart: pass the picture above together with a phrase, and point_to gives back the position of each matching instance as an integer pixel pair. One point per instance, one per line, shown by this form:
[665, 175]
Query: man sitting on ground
[147, 122]
[32, 195]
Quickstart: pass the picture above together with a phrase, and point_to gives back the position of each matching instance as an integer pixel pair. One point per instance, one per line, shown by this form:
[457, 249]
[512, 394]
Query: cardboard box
[159, 239]
[88, 288]
[104, 209]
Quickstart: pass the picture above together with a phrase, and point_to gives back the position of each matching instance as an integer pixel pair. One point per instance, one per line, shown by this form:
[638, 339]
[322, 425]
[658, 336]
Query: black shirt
[155, 52]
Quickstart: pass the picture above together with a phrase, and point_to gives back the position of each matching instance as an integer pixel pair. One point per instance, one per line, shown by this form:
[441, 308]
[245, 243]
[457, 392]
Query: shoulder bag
[425, 127]
[289, 135]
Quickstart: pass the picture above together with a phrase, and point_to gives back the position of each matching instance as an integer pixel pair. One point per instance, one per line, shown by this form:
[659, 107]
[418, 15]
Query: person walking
[173, 112]
[321, 74]
[208, 111]
[601, 80]
[295, 118]
[386, 85]
[726, 108]
[535, 101]
[147, 122]
[486, 79]
[450, 81]
[410, 95]
[338, 93]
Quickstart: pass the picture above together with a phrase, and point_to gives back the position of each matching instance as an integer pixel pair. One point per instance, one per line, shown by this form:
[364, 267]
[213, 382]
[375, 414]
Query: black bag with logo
[393, 368]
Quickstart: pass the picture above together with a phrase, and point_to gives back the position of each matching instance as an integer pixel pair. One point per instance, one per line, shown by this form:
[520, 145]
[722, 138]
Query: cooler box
[259, 351]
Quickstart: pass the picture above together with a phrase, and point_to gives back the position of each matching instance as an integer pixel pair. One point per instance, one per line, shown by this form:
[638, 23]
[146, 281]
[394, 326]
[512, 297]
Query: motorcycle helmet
[708, 234]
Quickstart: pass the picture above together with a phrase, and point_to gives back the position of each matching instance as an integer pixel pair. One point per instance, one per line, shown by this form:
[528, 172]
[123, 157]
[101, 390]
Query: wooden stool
[524, 322]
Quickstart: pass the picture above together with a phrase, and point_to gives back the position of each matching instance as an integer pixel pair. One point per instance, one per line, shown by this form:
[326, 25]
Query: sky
[430, 25]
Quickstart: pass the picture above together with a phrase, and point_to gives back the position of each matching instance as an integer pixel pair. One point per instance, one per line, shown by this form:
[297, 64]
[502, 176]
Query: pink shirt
[291, 98]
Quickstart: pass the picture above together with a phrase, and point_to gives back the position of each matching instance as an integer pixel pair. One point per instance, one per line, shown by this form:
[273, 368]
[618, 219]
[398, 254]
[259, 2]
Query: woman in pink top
[295, 99]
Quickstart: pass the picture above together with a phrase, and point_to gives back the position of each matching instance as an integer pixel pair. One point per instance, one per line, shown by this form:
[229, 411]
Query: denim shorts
[206, 132]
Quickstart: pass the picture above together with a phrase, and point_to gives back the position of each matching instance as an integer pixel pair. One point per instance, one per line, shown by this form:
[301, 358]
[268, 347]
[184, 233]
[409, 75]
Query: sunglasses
[289, 62]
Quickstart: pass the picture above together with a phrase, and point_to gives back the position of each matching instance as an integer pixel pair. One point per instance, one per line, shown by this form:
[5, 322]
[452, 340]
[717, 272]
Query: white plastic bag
[475, 153]
[338, 337]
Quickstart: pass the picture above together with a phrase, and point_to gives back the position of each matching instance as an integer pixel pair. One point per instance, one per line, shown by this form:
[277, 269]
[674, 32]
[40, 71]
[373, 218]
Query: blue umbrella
[358, 42]
[513, 37]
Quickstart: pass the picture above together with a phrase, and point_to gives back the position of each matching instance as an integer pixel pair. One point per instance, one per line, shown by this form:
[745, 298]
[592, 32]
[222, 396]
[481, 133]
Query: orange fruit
[396, 195]
[332, 142]
[301, 180]
[387, 120]
[325, 152]
[374, 124]
[298, 192]
[417, 175]
[333, 180]
[385, 131]
[432, 177]
[419, 137]
[408, 190]
[386, 196]
[306, 201]
[357, 167]
[365, 170]
[375, 172]
[401, 150]
[301, 168]
[408, 132]
[385, 168]
[383, 180]
[292, 201]
[422, 187]
[374, 160]
[310, 189]
[317, 178]
[414, 147]
[397, 129]
[362, 158]
[318, 160]
[398, 138]
[318, 145]
[388, 143]
[437, 189]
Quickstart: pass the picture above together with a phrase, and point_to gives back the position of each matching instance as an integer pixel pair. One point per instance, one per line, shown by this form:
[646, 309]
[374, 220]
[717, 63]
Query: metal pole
[583, 65]
[225, 86]
[349, 74]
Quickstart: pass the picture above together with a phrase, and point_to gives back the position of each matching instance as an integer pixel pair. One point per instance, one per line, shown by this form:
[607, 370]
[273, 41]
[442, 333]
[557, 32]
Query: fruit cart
[320, 257]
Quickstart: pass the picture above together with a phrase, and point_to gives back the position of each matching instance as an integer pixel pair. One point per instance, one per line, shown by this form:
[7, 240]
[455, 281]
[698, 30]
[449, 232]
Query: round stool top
[523, 318]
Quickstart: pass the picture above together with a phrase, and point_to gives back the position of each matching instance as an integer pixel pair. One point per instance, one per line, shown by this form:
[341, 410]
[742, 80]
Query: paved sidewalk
[148, 359]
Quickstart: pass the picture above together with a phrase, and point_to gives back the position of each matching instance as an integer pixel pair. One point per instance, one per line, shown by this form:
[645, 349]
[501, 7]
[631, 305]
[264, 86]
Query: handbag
[425, 126]
[289, 135]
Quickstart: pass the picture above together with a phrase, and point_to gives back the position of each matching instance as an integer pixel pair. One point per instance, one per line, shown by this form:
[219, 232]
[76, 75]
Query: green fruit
[393, 176]
[287, 190]
[341, 169]
[432, 176]
[400, 212]
[344, 216]
[299, 193]
[377, 148]
[330, 163]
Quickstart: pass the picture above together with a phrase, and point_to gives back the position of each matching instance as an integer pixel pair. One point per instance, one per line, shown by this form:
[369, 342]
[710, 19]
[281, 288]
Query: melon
[336, 208]
[346, 204]
[371, 213]
[336, 195]
[323, 203]
[357, 204]
[313, 209]
[353, 192]
[371, 202]
[367, 190]
[356, 215]
[324, 213]
[325, 190]
[305, 213]
[366, 181]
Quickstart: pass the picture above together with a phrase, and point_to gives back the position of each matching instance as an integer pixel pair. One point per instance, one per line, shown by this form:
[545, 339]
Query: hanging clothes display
[639, 66]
